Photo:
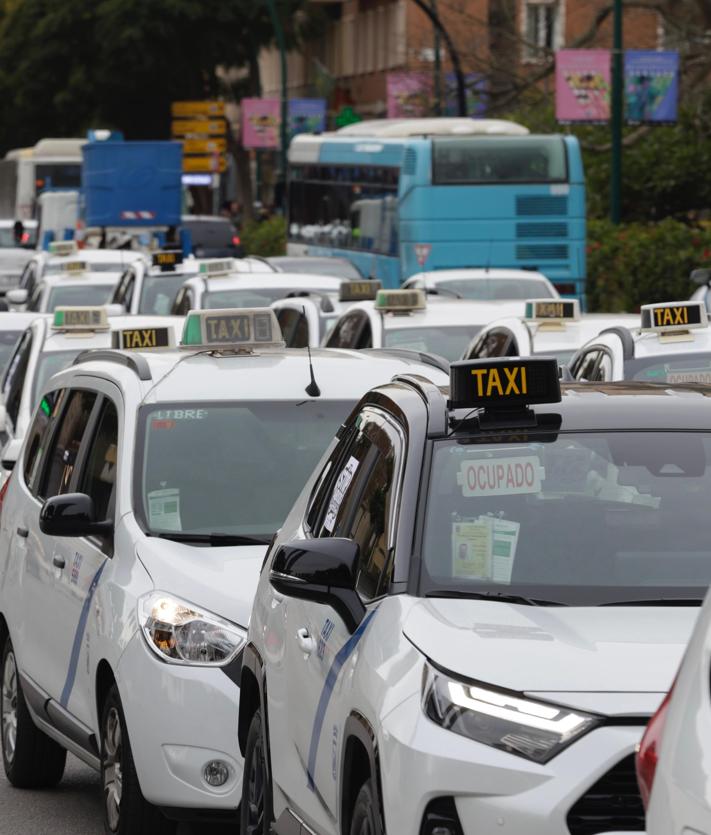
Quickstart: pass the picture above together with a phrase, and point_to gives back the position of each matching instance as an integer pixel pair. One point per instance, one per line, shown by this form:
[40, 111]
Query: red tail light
[25, 237]
[648, 753]
[3, 490]
[235, 240]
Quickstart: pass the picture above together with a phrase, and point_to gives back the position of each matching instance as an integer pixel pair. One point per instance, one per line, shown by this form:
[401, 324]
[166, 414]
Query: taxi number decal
[554, 310]
[72, 318]
[503, 382]
[235, 329]
[339, 492]
[500, 476]
[145, 338]
[167, 415]
[665, 316]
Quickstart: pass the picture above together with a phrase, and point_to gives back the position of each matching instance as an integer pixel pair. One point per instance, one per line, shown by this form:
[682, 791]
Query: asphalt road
[73, 808]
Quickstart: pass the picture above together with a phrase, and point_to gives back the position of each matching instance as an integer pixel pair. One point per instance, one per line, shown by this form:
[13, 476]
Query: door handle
[23, 532]
[306, 643]
[58, 561]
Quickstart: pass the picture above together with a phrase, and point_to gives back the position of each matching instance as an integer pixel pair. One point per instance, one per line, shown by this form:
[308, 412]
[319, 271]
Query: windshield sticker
[164, 509]
[471, 550]
[180, 414]
[500, 476]
[505, 540]
[339, 492]
[689, 377]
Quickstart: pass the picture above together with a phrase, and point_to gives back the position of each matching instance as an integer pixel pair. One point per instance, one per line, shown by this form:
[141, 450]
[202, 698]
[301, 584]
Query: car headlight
[181, 633]
[530, 729]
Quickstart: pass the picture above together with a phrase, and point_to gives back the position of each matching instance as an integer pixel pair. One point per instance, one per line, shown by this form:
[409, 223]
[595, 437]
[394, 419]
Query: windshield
[81, 295]
[159, 292]
[449, 343]
[496, 289]
[228, 468]
[118, 267]
[48, 365]
[501, 159]
[563, 357]
[249, 297]
[8, 340]
[27, 237]
[672, 368]
[335, 267]
[576, 518]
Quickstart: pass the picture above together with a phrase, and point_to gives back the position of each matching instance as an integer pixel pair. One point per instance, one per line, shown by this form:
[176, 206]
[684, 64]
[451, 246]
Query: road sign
[199, 127]
[215, 163]
[422, 253]
[188, 109]
[205, 146]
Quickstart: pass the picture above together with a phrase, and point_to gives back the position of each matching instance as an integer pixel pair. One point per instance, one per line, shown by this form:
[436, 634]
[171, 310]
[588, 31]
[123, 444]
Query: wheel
[256, 807]
[32, 760]
[126, 811]
[366, 818]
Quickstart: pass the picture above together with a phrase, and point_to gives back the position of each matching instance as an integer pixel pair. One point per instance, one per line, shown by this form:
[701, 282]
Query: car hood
[222, 580]
[612, 659]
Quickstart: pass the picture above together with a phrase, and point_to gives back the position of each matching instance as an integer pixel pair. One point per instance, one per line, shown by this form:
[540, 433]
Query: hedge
[265, 238]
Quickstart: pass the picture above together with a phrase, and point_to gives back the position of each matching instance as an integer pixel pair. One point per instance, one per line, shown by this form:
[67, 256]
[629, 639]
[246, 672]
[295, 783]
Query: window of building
[542, 27]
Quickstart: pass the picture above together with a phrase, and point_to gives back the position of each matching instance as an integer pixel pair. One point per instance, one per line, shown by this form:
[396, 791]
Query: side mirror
[701, 276]
[72, 514]
[11, 453]
[322, 571]
[3, 418]
[16, 297]
[115, 309]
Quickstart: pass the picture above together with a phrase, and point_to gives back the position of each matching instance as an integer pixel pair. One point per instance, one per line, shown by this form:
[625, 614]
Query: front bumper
[179, 719]
[495, 793]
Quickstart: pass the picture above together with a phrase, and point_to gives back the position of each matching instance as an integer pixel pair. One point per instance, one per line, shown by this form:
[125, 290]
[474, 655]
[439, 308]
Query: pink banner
[582, 85]
[409, 94]
[260, 123]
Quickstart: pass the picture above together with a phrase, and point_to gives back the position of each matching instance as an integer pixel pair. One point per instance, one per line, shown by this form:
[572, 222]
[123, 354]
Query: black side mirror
[701, 276]
[72, 514]
[323, 571]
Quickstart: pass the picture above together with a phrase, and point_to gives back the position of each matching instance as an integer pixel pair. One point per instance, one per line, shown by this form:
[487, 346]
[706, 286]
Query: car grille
[613, 804]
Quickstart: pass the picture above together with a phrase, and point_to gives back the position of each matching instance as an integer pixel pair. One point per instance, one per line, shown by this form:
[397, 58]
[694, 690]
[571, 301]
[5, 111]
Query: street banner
[306, 116]
[582, 85]
[651, 86]
[409, 94]
[260, 123]
[476, 93]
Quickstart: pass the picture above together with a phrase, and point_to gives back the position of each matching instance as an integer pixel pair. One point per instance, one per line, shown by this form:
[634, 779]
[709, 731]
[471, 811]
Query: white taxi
[670, 344]
[484, 284]
[408, 319]
[128, 567]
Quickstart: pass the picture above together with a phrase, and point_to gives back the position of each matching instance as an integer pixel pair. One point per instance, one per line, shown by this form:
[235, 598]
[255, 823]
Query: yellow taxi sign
[215, 267]
[188, 109]
[358, 291]
[674, 316]
[241, 329]
[63, 248]
[73, 267]
[552, 310]
[166, 259]
[143, 339]
[80, 319]
[504, 383]
[400, 301]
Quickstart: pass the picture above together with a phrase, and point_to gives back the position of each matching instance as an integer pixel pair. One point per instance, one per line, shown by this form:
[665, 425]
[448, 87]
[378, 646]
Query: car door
[13, 384]
[360, 505]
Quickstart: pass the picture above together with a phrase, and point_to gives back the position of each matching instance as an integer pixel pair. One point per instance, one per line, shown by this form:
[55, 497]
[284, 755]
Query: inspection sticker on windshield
[471, 549]
[164, 509]
[339, 492]
[500, 476]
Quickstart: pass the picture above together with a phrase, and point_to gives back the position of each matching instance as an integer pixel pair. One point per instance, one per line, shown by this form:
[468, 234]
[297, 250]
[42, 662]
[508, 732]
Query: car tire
[32, 760]
[126, 811]
[256, 807]
[365, 819]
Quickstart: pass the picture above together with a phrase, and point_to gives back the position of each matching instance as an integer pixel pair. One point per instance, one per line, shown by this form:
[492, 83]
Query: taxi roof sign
[63, 248]
[552, 310]
[400, 301]
[674, 316]
[167, 259]
[504, 383]
[143, 339]
[358, 291]
[215, 267]
[74, 267]
[80, 319]
[233, 329]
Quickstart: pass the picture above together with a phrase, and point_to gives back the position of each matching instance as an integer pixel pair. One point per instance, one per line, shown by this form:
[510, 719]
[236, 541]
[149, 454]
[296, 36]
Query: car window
[62, 452]
[15, 377]
[585, 369]
[498, 342]
[35, 298]
[98, 476]
[294, 327]
[360, 501]
[38, 436]
[183, 303]
[347, 331]
[28, 277]
[123, 294]
[604, 369]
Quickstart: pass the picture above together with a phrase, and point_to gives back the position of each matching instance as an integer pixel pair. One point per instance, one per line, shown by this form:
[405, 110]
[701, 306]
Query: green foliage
[266, 237]
[637, 263]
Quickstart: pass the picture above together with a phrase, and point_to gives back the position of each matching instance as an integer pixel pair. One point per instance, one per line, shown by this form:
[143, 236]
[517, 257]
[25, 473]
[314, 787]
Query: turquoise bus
[398, 197]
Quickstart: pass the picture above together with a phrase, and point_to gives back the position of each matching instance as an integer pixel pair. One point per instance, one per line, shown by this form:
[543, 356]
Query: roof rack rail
[135, 362]
[434, 400]
[433, 360]
[625, 338]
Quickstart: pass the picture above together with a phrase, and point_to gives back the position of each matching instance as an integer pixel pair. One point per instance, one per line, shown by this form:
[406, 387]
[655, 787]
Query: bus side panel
[8, 188]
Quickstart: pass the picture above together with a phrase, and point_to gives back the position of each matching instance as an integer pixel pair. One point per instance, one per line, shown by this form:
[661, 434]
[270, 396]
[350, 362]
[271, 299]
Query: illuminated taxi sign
[73, 267]
[212, 268]
[63, 248]
[358, 291]
[167, 260]
[552, 310]
[400, 301]
[504, 383]
[80, 319]
[674, 316]
[235, 329]
[143, 339]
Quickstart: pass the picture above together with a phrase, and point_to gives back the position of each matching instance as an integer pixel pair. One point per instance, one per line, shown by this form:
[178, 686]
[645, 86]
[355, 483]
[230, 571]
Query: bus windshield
[500, 159]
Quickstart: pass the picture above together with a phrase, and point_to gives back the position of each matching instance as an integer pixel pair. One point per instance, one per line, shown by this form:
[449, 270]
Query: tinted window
[159, 292]
[448, 342]
[8, 341]
[99, 472]
[294, 327]
[38, 436]
[346, 333]
[496, 289]
[65, 445]
[586, 365]
[48, 365]
[671, 368]
[183, 303]
[123, 294]
[495, 343]
[79, 295]
[15, 377]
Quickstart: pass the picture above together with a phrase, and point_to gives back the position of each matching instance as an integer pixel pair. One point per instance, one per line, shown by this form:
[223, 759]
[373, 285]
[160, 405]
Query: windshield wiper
[658, 601]
[500, 597]
[214, 539]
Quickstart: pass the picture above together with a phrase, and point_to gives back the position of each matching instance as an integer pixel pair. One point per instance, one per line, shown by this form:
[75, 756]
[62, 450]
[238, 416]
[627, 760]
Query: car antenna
[312, 389]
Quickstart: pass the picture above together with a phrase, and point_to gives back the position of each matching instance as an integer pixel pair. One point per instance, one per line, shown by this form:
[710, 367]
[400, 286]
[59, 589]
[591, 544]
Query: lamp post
[437, 65]
[283, 127]
[617, 115]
